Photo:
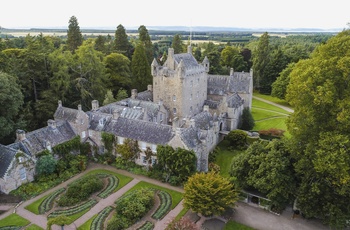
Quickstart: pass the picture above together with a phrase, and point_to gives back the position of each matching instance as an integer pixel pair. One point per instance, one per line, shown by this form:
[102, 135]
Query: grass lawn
[224, 160]
[263, 105]
[181, 214]
[175, 196]
[14, 220]
[233, 225]
[260, 114]
[34, 227]
[87, 224]
[34, 207]
[272, 99]
[123, 180]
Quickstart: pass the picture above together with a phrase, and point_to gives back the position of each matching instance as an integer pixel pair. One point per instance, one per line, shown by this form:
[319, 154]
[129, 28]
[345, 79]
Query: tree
[267, 167]
[279, 87]
[261, 57]
[141, 70]
[100, 44]
[122, 94]
[74, 36]
[319, 93]
[146, 41]
[231, 57]
[177, 44]
[209, 193]
[237, 139]
[118, 72]
[109, 98]
[11, 101]
[121, 42]
[247, 120]
[46, 165]
[129, 149]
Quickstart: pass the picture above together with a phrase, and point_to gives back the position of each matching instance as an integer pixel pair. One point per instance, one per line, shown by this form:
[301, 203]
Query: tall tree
[74, 36]
[231, 57]
[121, 42]
[100, 44]
[146, 41]
[11, 100]
[319, 93]
[177, 44]
[279, 87]
[261, 58]
[141, 70]
[209, 193]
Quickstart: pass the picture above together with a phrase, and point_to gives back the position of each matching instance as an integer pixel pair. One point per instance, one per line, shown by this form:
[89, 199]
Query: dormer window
[174, 111]
[101, 122]
[174, 98]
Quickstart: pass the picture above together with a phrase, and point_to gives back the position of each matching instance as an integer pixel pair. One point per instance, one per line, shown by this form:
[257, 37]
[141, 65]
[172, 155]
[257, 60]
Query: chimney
[79, 107]
[150, 88]
[94, 105]
[175, 123]
[189, 49]
[59, 103]
[133, 93]
[115, 114]
[192, 123]
[51, 124]
[231, 72]
[206, 108]
[20, 135]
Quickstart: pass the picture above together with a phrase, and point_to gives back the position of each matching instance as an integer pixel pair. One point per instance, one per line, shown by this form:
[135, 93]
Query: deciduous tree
[209, 193]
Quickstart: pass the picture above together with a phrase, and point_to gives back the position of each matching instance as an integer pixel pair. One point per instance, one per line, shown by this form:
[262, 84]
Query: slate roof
[67, 114]
[190, 137]
[6, 156]
[239, 82]
[188, 60]
[140, 130]
[212, 104]
[35, 141]
[203, 120]
[145, 96]
[98, 120]
[234, 101]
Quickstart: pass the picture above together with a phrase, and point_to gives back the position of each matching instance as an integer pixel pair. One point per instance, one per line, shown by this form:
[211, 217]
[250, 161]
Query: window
[143, 146]
[191, 97]
[154, 161]
[23, 173]
[154, 148]
[20, 159]
[90, 133]
[144, 160]
[83, 134]
[174, 111]
[161, 117]
[174, 98]
[120, 140]
[197, 93]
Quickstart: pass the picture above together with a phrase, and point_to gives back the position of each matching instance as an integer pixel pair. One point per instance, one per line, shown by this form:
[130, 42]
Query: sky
[190, 13]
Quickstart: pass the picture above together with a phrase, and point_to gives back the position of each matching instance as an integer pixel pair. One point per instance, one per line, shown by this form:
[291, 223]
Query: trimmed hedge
[112, 185]
[74, 210]
[164, 207]
[146, 226]
[47, 203]
[99, 220]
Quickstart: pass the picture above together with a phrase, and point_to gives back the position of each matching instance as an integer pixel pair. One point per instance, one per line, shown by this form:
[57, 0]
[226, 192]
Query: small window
[191, 97]
[90, 133]
[174, 111]
[120, 140]
[83, 134]
[174, 98]
[23, 173]
[154, 161]
[191, 83]
[154, 148]
[101, 121]
[143, 146]
[144, 160]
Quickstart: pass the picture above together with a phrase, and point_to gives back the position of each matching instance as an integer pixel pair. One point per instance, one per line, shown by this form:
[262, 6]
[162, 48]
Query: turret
[206, 65]
[181, 69]
[154, 67]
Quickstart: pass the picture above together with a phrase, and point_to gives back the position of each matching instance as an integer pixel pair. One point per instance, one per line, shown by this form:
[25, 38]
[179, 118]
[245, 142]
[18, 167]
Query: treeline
[78, 69]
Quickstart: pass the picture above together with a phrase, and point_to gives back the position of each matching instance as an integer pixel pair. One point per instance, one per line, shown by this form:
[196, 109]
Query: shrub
[237, 139]
[247, 120]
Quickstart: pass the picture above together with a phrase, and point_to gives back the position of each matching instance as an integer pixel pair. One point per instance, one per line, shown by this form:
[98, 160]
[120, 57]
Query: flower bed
[98, 221]
[164, 207]
[146, 226]
[112, 185]
[74, 210]
[47, 203]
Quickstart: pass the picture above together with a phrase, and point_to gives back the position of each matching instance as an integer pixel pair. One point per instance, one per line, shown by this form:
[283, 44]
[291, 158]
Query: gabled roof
[67, 114]
[36, 140]
[234, 101]
[145, 95]
[6, 156]
[190, 137]
[140, 130]
[203, 120]
[239, 82]
[98, 120]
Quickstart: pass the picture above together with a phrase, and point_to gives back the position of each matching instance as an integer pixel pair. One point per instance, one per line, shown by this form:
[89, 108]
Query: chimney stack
[150, 88]
[59, 103]
[206, 108]
[20, 135]
[231, 72]
[94, 105]
[115, 114]
[51, 124]
[133, 93]
[79, 107]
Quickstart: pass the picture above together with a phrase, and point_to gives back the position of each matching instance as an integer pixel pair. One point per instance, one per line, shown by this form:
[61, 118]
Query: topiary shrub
[237, 139]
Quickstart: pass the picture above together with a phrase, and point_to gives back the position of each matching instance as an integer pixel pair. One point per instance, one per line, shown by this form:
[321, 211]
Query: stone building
[186, 107]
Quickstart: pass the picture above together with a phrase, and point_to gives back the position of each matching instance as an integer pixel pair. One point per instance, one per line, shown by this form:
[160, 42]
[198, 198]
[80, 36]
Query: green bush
[247, 120]
[237, 139]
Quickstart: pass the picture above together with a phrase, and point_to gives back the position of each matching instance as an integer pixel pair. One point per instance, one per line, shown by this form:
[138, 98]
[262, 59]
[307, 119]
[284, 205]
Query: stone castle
[185, 107]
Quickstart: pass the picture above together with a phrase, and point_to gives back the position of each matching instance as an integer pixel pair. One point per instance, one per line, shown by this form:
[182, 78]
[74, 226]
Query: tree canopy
[74, 36]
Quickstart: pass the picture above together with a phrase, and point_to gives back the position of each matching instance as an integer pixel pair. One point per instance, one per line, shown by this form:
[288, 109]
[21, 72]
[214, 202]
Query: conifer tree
[121, 42]
[74, 36]
[141, 70]
[177, 44]
[146, 41]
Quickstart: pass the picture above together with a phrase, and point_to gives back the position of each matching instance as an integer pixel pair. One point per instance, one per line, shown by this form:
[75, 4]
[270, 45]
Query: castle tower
[181, 83]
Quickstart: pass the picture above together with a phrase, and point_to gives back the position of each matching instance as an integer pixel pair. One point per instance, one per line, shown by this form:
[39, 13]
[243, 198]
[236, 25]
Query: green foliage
[74, 36]
[122, 94]
[147, 43]
[140, 68]
[247, 120]
[13, 220]
[231, 57]
[267, 167]
[80, 190]
[59, 220]
[237, 139]
[11, 100]
[108, 140]
[182, 224]
[236, 226]
[67, 147]
[177, 164]
[121, 42]
[209, 193]
[46, 165]
[279, 87]
[177, 44]
[128, 150]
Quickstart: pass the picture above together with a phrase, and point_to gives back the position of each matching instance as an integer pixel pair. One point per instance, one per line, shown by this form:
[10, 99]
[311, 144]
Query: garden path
[275, 104]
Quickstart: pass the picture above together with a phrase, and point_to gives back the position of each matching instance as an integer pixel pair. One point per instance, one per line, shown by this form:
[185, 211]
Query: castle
[185, 107]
